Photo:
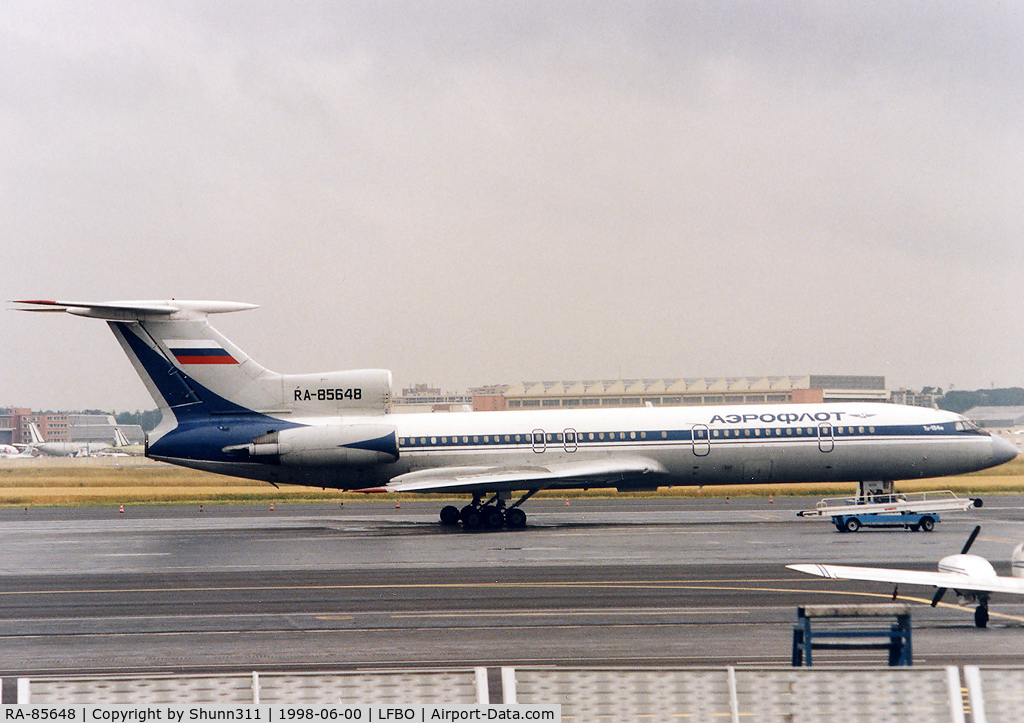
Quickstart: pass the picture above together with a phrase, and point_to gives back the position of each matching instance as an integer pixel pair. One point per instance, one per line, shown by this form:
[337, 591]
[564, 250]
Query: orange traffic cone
[771, 500]
[398, 504]
[271, 506]
[566, 501]
[121, 511]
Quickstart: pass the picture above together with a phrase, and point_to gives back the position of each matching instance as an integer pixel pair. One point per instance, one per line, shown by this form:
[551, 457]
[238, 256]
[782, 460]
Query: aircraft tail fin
[119, 439]
[34, 435]
[192, 370]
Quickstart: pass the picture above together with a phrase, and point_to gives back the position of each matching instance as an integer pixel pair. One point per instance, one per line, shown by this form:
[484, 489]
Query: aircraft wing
[952, 581]
[497, 478]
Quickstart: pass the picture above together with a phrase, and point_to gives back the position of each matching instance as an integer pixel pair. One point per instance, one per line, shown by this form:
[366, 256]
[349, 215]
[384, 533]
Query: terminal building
[806, 389]
[14, 422]
[63, 427]
[995, 417]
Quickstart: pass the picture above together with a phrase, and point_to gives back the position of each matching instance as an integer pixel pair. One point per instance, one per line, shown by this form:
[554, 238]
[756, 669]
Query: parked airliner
[9, 451]
[224, 413]
[65, 449]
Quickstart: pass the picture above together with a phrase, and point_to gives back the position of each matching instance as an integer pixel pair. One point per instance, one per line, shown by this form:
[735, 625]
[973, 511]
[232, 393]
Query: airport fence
[974, 694]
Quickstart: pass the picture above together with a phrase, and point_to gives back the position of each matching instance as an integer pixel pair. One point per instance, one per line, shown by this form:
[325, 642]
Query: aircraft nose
[1002, 451]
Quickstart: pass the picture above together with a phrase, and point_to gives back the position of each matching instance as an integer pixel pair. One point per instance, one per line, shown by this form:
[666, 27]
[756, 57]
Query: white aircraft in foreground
[972, 577]
[222, 412]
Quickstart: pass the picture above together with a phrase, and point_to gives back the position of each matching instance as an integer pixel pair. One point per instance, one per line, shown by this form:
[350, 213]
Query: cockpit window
[966, 425]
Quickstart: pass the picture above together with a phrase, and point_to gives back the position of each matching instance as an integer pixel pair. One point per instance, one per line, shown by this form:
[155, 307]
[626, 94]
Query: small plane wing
[501, 478]
[950, 580]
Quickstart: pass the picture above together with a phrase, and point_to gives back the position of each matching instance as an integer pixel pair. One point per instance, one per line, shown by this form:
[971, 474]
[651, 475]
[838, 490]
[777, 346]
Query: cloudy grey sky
[471, 193]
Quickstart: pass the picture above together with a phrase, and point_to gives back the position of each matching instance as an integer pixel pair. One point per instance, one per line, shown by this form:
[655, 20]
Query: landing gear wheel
[928, 524]
[450, 515]
[515, 518]
[471, 518]
[981, 616]
[492, 517]
[852, 524]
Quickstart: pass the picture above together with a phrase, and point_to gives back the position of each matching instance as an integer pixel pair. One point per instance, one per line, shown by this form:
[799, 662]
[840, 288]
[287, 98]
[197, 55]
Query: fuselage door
[701, 440]
[539, 441]
[826, 442]
[569, 440]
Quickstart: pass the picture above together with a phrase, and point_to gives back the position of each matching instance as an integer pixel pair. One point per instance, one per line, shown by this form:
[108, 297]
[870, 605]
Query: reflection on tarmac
[625, 582]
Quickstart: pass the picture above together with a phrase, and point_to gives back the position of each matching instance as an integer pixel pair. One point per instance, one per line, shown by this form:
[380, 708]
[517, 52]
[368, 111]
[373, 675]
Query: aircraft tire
[515, 518]
[852, 524]
[450, 515]
[492, 517]
[471, 518]
[981, 616]
[927, 524]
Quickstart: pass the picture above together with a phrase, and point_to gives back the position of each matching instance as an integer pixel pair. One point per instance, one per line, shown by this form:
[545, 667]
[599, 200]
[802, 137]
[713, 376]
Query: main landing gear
[490, 515]
[981, 614]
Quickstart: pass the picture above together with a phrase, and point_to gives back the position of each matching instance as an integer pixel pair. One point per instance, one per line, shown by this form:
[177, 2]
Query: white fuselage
[686, 445]
[71, 449]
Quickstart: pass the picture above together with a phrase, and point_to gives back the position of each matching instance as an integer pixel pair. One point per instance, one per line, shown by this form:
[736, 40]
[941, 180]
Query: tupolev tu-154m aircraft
[971, 576]
[224, 413]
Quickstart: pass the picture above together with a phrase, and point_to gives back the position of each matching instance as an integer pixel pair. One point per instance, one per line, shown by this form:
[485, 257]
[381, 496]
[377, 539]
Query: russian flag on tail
[199, 351]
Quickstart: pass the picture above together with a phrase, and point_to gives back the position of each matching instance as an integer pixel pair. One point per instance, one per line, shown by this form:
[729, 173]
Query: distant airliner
[65, 449]
[9, 451]
[224, 413]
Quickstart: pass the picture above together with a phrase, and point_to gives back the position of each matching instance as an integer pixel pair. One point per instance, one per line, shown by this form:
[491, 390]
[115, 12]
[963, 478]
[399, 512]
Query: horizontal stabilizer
[134, 310]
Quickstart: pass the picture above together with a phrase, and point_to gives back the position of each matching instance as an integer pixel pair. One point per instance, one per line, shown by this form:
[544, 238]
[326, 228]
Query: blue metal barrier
[897, 642]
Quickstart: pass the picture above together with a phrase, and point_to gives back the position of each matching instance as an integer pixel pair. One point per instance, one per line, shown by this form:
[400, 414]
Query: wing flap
[502, 478]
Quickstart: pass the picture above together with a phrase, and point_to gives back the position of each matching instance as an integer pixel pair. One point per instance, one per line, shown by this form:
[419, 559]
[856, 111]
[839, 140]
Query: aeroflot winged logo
[199, 351]
[787, 417]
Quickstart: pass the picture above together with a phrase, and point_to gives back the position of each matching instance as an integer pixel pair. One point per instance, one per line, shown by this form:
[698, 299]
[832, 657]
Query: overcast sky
[482, 192]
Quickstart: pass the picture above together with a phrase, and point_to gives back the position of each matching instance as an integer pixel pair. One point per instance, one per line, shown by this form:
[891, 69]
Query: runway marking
[573, 613]
[697, 585]
[655, 585]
